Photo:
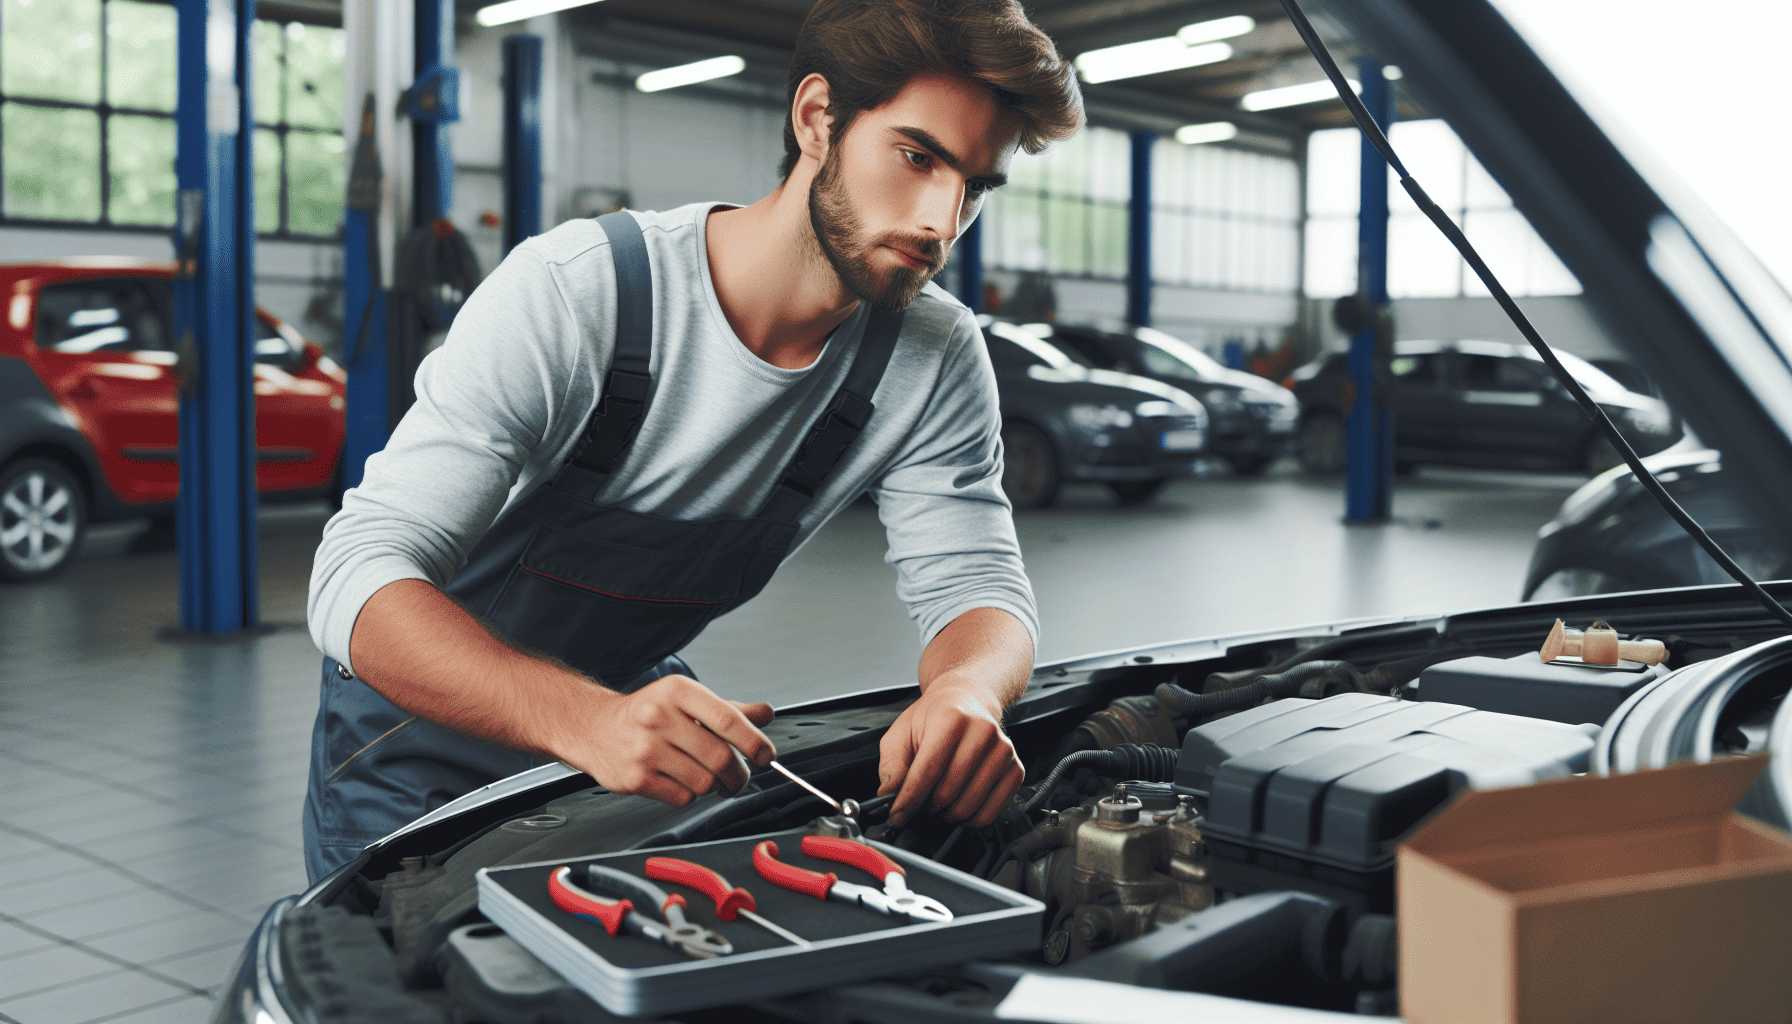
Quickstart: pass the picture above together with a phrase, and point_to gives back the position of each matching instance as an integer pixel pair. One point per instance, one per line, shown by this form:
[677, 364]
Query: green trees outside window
[87, 96]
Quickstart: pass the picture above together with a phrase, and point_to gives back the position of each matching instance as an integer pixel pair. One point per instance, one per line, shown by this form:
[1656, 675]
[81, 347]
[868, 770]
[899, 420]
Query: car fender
[30, 419]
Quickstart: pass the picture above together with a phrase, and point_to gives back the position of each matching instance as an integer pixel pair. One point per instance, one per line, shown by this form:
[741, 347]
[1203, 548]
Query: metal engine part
[1113, 869]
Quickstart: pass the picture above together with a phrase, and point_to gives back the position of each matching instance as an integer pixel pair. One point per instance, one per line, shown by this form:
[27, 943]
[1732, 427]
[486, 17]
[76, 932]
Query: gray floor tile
[119, 992]
[26, 870]
[185, 1010]
[205, 968]
[144, 842]
[171, 936]
[14, 845]
[136, 906]
[47, 969]
[145, 816]
[45, 894]
[16, 941]
[103, 803]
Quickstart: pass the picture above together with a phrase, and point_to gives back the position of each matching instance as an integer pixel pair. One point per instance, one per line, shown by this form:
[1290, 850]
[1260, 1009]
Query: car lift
[1369, 423]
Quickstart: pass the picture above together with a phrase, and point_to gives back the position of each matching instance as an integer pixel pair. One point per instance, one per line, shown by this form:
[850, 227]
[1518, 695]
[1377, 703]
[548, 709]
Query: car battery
[1564, 690]
[633, 976]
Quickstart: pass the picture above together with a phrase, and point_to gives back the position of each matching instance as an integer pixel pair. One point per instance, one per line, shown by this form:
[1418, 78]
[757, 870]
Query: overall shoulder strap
[840, 424]
[617, 417]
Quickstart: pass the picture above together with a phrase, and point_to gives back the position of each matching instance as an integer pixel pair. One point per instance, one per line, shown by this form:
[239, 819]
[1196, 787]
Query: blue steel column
[214, 312]
[970, 265]
[522, 138]
[1138, 232]
[432, 158]
[364, 326]
[1369, 435]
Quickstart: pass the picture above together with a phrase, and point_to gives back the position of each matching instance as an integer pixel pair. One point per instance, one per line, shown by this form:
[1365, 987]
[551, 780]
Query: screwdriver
[729, 900]
[848, 809]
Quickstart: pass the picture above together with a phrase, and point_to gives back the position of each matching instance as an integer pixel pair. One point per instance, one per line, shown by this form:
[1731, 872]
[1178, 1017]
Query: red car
[89, 416]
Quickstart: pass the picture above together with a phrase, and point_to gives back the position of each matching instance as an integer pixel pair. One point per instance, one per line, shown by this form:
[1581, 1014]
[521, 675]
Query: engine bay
[1219, 818]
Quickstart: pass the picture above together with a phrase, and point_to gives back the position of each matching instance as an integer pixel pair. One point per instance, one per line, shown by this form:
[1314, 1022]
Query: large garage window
[1063, 211]
[87, 94]
[1224, 219]
[1421, 261]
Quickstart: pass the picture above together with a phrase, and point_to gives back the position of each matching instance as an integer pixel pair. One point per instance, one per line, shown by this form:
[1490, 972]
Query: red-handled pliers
[828, 886]
[731, 901]
[620, 915]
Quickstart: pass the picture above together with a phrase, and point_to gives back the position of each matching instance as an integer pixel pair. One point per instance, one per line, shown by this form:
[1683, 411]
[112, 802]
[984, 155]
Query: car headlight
[1221, 400]
[1099, 417]
[1158, 408]
[1649, 421]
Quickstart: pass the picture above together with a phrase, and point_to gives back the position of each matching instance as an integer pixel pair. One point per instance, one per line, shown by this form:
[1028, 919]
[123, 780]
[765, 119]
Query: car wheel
[42, 518]
[1030, 466]
[1597, 455]
[1248, 465]
[1322, 446]
[1136, 492]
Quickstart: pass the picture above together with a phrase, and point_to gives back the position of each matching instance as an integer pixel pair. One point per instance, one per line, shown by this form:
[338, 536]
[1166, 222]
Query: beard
[840, 237]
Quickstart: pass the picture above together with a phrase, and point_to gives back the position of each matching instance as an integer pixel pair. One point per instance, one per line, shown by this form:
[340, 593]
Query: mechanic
[635, 419]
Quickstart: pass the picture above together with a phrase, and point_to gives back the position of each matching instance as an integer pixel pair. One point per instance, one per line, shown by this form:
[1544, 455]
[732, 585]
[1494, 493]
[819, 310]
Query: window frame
[105, 109]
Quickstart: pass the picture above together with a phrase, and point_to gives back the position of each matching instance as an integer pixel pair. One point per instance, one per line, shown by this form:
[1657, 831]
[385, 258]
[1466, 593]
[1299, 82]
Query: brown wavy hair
[869, 49]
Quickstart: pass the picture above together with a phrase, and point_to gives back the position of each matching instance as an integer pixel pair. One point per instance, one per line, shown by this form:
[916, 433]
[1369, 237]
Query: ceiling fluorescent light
[690, 74]
[1218, 28]
[1147, 57]
[1392, 72]
[1212, 131]
[517, 10]
[1294, 95]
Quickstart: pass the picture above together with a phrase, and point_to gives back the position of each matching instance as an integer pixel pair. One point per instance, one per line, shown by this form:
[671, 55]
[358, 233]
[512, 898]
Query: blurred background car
[1062, 420]
[1479, 403]
[90, 411]
[1611, 536]
[1251, 421]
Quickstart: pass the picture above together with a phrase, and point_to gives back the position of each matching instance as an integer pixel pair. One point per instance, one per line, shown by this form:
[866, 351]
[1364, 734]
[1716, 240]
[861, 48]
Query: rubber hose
[1183, 703]
[1147, 763]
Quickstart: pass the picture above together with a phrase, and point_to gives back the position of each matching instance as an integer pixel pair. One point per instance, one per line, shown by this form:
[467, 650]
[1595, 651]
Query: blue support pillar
[435, 104]
[1138, 232]
[364, 326]
[214, 294]
[970, 266]
[522, 138]
[1369, 438]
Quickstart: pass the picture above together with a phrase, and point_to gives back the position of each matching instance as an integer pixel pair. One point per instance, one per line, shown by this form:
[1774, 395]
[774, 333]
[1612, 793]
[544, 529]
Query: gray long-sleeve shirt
[500, 404]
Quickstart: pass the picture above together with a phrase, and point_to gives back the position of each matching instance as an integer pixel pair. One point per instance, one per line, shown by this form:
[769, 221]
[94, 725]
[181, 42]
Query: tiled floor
[150, 787]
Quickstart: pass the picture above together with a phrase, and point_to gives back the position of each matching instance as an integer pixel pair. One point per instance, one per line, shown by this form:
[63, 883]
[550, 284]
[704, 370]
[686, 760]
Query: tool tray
[633, 976]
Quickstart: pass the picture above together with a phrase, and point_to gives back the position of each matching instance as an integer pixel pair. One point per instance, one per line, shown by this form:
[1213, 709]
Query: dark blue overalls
[611, 592]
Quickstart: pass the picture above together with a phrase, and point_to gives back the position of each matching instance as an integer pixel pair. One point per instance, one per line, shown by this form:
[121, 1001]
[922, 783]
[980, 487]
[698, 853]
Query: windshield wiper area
[1379, 140]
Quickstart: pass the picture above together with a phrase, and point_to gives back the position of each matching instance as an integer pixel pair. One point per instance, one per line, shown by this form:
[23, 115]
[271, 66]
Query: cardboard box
[1639, 898]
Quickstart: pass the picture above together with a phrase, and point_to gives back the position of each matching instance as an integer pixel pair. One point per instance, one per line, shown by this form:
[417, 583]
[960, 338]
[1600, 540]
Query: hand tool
[678, 933]
[870, 859]
[730, 900]
[619, 915]
[849, 808]
[828, 886]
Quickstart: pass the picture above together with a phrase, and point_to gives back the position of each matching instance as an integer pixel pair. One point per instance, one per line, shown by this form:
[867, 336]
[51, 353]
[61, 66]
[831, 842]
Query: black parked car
[1610, 535]
[1479, 403]
[1244, 857]
[1062, 420]
[1251, 421]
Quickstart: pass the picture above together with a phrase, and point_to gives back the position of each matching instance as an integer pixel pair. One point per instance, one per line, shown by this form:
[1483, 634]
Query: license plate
[1181, 440]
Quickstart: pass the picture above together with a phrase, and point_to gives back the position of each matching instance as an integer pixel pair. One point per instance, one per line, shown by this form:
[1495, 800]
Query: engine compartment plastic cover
[1333, 781]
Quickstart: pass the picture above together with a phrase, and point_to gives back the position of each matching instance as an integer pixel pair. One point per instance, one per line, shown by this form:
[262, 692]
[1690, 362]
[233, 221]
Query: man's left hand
[947, 754]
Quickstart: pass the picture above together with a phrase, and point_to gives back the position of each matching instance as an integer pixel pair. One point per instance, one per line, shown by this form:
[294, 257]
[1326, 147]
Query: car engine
[1220, 820]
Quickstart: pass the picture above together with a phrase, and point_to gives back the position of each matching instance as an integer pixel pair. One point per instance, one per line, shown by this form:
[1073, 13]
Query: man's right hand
[673, 740]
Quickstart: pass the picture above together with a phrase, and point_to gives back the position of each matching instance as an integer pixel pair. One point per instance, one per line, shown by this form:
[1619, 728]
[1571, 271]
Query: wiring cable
[1376, 138]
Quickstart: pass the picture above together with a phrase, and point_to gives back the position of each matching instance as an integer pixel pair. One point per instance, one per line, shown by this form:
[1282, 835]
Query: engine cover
[1317, 788]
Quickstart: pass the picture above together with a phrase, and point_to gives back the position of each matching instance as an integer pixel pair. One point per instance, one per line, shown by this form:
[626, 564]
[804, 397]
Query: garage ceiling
[658, 33]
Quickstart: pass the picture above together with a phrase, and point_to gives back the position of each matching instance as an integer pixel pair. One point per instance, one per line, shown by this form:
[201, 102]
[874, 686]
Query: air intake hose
[1320, 675]
[1143, 762]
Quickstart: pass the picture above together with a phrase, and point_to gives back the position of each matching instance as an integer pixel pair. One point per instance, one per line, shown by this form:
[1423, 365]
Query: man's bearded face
[849, 251]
